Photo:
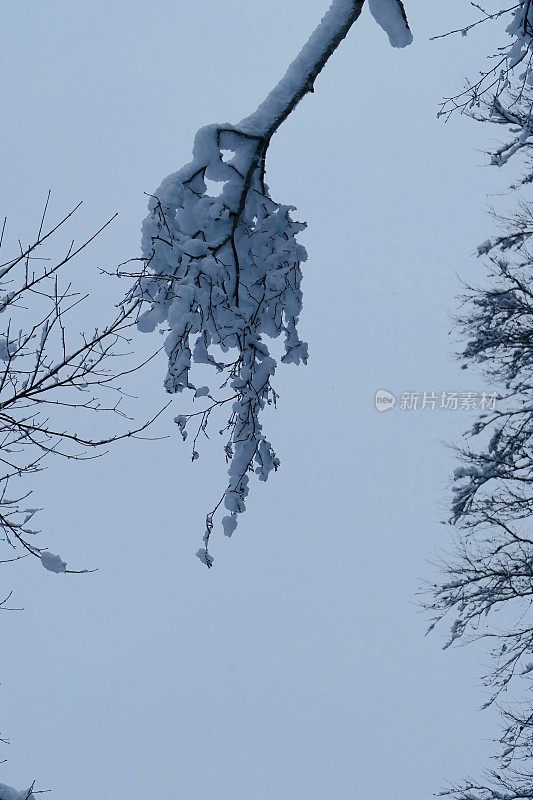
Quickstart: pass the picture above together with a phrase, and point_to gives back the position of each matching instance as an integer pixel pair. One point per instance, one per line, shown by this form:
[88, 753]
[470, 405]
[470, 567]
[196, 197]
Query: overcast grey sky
[297, 669]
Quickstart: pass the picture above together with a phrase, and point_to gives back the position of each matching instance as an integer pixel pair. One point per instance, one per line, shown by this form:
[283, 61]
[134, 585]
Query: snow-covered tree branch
[501, 74]
[222, 267]
[487, 587]
[52, 378]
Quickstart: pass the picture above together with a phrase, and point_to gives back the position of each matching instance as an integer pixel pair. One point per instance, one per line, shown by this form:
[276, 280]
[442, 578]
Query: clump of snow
[205, 557]
[7, 793]
[390, 15]
[5, 349]
[484, 248]
[226, 276]
[229, 524]
[52, 563]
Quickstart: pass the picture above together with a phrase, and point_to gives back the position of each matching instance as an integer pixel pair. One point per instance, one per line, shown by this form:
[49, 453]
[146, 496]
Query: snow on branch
[222, 272]
[486, 588]
[7, 793]
[510, 67]
[391, 16]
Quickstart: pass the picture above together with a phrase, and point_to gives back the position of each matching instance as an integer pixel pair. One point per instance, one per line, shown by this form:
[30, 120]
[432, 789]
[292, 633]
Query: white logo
[384, 400]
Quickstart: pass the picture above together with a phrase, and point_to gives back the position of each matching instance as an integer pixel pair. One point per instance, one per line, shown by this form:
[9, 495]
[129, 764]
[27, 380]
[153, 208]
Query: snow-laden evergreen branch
[222, 269]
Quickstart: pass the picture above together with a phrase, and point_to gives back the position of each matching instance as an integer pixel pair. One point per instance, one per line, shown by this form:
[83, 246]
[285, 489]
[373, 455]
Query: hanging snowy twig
[222, 266]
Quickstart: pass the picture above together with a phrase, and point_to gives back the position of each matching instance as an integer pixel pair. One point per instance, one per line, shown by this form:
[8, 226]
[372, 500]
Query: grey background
[297, 668]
